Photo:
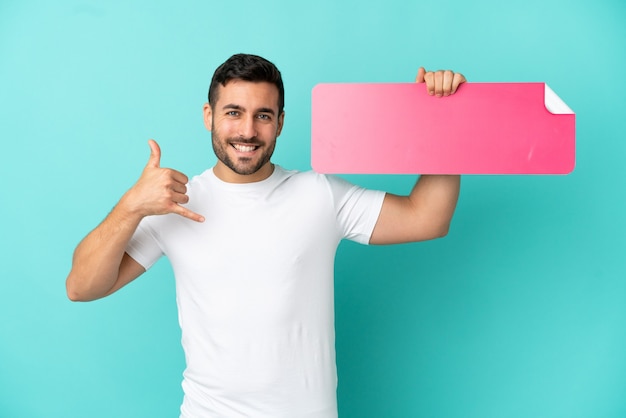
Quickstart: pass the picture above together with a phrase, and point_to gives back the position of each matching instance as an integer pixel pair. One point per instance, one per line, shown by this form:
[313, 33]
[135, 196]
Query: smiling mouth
[245, 147]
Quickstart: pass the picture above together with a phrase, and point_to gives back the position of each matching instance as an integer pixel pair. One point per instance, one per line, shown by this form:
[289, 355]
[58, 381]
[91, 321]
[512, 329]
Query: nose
[247, 128]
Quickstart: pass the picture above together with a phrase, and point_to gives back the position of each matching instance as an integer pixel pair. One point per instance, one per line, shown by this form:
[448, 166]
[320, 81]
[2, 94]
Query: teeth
[244, 148]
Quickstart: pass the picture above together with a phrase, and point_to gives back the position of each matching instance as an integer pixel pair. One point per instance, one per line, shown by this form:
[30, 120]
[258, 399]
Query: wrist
[129, 208]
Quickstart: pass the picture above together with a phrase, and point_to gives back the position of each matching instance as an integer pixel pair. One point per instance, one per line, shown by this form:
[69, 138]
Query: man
[252, 247]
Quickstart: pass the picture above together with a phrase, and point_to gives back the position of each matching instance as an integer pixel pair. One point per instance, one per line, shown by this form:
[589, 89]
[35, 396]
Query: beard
[243, 165]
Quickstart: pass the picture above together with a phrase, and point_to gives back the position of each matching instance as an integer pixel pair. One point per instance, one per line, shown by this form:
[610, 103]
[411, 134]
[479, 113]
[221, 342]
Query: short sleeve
[357, 209]
[144, 247]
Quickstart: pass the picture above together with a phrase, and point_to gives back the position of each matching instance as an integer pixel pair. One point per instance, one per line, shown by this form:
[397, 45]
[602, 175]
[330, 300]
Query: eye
[264, 116]
[232, 113]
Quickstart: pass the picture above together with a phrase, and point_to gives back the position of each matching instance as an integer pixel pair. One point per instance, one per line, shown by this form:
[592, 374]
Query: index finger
[184, 212]
[420, 75]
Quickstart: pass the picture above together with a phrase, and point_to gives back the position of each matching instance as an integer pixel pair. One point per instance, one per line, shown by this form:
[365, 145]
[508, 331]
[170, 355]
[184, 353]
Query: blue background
[519, 312]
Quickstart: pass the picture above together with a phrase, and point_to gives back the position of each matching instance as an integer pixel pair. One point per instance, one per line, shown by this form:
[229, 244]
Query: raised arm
[100, 265]
[426, 213]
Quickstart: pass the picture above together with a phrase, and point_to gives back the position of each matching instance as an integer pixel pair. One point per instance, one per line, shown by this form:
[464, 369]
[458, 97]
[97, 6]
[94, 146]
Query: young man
[252, 246]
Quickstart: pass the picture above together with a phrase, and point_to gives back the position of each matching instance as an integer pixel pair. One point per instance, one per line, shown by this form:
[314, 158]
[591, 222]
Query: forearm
[97, 259]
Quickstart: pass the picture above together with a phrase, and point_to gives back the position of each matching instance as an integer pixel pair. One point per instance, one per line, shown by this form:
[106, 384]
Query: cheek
[224, 127]
[270, 130]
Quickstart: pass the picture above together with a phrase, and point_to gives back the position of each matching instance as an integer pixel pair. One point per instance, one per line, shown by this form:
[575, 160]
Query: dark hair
[247, 67]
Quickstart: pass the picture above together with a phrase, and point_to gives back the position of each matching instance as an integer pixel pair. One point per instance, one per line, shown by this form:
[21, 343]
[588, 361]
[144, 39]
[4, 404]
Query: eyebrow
[238, 107]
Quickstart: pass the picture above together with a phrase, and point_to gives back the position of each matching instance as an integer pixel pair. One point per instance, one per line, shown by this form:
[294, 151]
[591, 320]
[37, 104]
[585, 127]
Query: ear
[208, 116]
[281, 121]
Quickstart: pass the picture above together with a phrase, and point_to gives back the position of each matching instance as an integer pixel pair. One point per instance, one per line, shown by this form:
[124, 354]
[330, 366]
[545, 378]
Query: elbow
[73, 291]
[72, 294]
[442, 234]
[441, 231]
[75, 297]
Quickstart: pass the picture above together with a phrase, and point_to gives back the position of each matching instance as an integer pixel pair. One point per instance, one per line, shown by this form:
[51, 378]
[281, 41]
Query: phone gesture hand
[159, 190]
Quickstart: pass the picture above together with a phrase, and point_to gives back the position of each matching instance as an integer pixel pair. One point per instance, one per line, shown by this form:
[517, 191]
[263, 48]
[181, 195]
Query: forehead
[248, 94]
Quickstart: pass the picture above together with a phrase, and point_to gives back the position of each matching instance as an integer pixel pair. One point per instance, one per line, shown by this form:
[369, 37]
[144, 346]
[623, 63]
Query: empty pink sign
[485, 128]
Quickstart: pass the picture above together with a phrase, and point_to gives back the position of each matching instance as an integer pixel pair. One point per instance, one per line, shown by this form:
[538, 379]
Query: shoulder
[312, 183]
[310, 176]
[201, 180]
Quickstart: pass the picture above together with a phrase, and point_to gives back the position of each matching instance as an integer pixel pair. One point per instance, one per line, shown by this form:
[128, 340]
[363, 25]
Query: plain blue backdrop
[519, 312]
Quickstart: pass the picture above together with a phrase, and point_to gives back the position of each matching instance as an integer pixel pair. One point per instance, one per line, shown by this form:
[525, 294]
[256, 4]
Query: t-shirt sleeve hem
[141, 258]
[373, 215]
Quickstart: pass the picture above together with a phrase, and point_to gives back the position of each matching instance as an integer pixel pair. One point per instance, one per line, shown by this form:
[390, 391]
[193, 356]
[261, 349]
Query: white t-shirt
[254, 286]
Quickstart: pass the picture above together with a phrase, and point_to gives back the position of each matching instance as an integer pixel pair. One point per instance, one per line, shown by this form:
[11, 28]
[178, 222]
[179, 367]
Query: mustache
[242, 140]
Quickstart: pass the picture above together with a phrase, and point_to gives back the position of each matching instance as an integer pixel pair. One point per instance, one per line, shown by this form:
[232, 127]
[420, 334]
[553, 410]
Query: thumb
[420, 75]
[155, 154]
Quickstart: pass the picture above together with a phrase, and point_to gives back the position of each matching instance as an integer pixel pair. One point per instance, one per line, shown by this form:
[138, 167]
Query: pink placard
[397, 128]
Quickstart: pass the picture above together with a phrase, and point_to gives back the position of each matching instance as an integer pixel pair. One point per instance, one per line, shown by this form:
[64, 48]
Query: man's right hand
[159, 190]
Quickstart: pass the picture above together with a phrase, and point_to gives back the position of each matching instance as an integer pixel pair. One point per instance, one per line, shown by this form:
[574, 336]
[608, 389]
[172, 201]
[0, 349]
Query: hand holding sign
[440, 83]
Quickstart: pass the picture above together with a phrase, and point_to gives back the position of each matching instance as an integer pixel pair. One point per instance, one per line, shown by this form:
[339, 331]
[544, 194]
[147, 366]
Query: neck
[224, 173]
